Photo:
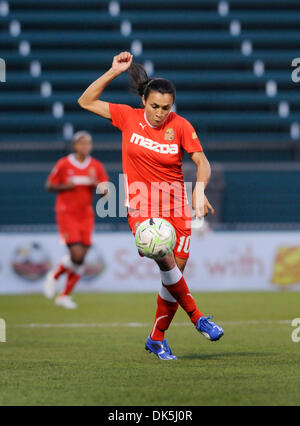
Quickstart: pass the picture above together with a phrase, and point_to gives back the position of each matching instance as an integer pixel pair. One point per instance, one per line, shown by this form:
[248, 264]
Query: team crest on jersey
[92, 172]
[170, 134]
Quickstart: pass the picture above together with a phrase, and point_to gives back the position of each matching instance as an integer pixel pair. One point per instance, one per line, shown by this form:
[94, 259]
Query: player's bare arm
[90, 101]
[200, 203]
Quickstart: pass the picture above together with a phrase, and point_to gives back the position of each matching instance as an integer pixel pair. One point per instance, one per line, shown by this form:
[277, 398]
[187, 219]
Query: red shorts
[76, 228]
[182, 226]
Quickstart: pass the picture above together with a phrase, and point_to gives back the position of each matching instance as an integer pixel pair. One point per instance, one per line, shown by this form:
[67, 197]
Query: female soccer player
[74, 179]
[154, 139]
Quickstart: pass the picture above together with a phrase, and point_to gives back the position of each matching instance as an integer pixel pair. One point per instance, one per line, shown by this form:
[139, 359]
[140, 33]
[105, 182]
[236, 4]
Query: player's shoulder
[176, 119]
[59, 165]
[96, 162]
[135, 112]
[178, 122]
[121, 107]
[62, 161]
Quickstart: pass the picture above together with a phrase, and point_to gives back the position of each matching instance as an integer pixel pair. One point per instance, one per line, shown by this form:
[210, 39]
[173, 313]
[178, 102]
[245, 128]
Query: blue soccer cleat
[209, 329]
[161, 349]
[167, 348]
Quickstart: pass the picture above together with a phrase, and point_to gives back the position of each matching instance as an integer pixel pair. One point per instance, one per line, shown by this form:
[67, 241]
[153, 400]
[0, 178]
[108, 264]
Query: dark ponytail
[139, 78]
[142, 85]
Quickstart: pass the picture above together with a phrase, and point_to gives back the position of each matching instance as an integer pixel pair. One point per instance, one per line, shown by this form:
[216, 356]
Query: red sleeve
[189, 138]
[119, 114]
[102, 176]
[56, 175]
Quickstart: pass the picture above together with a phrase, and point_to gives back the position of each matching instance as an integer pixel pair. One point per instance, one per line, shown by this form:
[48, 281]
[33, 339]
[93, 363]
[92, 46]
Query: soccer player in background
[154, 139]
[74, 178]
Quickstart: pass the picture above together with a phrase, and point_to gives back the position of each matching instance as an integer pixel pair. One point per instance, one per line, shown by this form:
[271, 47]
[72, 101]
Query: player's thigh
[68, 228]
[87, 229]
[181, 263]
[134, 220]
[183, 239]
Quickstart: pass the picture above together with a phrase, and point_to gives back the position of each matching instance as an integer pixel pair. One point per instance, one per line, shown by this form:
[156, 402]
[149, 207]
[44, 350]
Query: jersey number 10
[184, 244]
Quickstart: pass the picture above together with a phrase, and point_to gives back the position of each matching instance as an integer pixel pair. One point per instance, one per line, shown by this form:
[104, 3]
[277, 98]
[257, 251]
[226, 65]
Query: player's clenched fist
[122, 62]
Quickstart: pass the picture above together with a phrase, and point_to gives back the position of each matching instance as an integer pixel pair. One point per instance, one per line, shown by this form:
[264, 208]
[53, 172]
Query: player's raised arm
[90, 98]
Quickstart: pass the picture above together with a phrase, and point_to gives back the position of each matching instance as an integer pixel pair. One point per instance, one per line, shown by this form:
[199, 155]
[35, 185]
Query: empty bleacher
[230, 61]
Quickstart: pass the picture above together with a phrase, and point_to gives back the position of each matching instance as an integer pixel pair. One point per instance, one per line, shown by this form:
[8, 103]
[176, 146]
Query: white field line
[140, 324]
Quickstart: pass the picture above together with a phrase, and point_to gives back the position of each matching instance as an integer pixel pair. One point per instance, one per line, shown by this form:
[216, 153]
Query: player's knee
[181, 263]
[167, 262]
[77, 257]
[78, 260]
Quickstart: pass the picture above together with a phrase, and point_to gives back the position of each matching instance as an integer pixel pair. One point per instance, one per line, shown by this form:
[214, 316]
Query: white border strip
[140, 324]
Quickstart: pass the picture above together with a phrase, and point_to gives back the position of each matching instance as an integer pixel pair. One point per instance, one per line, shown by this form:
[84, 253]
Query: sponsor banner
[219, 261]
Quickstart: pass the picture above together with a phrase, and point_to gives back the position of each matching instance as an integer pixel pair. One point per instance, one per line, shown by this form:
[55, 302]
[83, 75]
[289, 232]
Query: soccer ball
[155, 238]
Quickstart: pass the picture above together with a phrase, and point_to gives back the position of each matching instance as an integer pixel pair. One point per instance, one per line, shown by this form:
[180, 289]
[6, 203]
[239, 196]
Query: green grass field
[95, 355]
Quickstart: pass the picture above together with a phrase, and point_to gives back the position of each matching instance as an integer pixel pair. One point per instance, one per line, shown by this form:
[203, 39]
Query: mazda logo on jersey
[154, 146]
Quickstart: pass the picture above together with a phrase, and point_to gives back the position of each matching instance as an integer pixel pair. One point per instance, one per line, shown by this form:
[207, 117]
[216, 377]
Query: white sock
[78, 269]
[166, 295]
[67, 262]
[172, 276]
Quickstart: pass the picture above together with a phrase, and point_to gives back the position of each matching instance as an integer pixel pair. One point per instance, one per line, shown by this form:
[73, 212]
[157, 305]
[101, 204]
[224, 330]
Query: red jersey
[152, 159]
[68, 169]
